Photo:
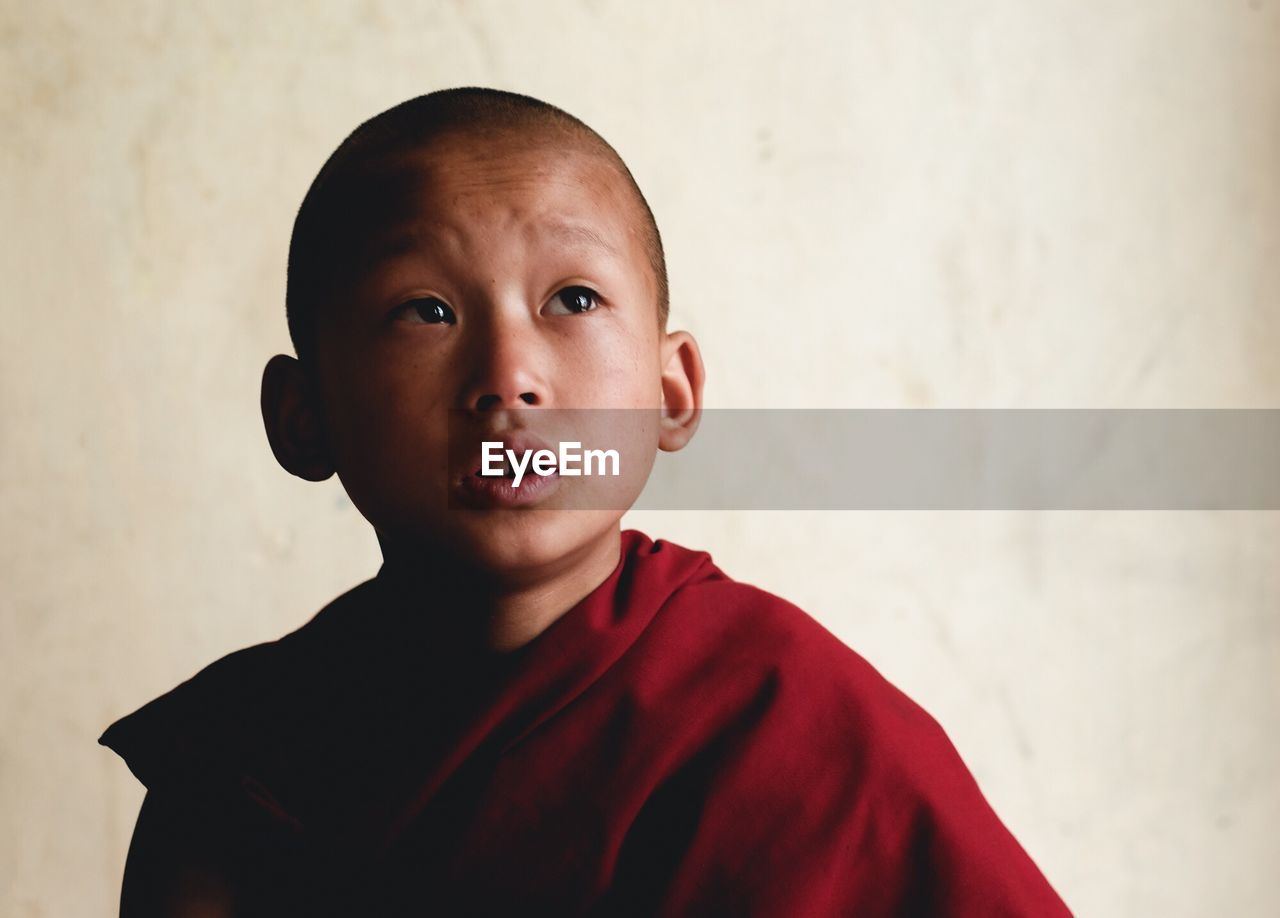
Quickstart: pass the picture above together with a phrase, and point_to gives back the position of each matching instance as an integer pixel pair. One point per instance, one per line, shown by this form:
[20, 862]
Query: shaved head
[333, 217]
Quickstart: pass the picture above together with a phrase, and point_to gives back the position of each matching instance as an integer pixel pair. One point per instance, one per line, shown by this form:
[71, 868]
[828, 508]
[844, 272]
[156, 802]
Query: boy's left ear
[682, 378]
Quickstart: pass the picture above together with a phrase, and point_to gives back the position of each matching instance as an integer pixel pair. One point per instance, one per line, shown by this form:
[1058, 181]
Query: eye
[427, 310]
[572, 300]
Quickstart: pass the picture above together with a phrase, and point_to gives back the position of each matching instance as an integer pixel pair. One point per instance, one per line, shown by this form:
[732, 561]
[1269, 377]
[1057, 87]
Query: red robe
[676, 744]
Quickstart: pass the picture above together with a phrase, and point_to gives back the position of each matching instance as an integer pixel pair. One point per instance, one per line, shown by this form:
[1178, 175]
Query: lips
[495, 492]
[519, 442]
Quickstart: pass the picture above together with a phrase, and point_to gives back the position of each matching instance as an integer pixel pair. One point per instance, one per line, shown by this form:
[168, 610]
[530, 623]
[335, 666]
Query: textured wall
[878, 203]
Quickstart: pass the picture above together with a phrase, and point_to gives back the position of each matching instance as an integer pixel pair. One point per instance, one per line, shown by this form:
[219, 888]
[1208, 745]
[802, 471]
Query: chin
[521, 544]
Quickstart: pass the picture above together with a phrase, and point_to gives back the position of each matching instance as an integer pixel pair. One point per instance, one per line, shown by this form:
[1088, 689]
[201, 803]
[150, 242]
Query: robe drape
[678, 743]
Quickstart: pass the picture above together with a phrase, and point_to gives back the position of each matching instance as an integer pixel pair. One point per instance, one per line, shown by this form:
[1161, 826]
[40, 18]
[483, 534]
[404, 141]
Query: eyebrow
[577, 232]
[383, 246]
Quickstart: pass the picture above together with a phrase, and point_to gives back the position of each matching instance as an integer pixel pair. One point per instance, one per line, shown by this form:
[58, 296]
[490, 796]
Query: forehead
[459, 192]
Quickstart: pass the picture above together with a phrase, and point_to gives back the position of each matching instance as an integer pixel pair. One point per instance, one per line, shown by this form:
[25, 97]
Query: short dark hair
[415, 123]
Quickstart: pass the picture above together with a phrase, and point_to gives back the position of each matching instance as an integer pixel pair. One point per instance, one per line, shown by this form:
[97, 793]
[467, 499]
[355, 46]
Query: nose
[505, 367]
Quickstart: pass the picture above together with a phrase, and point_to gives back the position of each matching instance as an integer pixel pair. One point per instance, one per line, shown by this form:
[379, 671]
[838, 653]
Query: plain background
[866, 203]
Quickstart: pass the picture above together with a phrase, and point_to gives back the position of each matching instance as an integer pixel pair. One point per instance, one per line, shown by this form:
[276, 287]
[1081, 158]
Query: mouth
[505, 472]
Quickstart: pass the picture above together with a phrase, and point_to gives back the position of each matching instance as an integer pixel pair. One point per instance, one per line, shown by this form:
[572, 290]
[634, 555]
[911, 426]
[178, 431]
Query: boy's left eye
[573, 300]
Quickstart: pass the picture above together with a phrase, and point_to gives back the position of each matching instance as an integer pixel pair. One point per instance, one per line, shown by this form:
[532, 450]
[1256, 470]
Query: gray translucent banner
[939, 459]
[974, 459]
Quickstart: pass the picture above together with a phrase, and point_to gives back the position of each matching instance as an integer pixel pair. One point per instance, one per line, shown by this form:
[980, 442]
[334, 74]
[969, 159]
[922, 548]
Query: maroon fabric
[676, 744]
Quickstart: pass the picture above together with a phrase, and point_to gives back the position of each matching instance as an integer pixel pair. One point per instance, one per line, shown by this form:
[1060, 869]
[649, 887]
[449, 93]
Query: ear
[682, 377]
[291, 413]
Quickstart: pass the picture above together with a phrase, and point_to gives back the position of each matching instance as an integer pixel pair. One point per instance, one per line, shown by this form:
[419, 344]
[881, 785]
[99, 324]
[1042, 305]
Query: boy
[527, 710]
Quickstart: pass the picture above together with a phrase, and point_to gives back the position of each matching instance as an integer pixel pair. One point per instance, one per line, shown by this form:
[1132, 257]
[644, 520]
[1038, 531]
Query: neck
[497, 611]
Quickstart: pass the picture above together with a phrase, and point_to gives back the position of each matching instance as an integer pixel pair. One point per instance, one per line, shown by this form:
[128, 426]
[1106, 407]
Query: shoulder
[829, 727]
[207, 724]
[798, 697]
[748, 636]
[842, 772]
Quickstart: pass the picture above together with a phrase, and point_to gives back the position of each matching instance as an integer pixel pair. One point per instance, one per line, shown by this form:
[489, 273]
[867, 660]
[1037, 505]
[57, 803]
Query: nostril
[491, 402]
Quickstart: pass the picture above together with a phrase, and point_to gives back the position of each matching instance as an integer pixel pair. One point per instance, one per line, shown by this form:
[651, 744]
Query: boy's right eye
[427, 310]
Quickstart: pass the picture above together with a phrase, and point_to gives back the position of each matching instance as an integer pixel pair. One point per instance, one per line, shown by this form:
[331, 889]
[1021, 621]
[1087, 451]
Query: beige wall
[880, 203]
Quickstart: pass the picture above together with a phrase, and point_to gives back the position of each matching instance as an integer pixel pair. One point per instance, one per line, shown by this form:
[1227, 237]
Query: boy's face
[493, 281]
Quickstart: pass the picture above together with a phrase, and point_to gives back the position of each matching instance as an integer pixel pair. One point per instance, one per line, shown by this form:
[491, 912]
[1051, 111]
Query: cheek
[385, 417]
[391, 455]
[614, 369]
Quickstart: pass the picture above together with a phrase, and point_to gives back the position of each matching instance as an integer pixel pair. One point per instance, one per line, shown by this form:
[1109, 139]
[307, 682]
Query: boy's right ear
[291, 413]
